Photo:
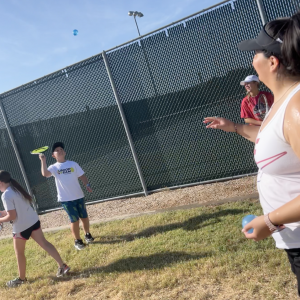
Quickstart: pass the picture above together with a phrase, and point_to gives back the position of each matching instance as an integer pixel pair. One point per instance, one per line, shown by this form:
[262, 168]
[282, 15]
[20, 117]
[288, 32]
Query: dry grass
[187, 254]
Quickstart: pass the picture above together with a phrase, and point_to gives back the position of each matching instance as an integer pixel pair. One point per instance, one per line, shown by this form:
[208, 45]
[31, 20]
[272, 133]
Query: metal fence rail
[132, 116]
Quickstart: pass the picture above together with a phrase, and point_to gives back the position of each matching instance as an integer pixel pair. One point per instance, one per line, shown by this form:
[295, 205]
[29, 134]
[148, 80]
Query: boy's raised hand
[42, 157]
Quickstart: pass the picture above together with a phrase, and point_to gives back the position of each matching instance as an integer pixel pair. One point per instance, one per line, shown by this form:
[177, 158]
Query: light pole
[139, 14]
[134, 14]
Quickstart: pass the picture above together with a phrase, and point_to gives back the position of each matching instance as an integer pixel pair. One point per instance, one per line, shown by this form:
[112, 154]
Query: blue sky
[37, 36]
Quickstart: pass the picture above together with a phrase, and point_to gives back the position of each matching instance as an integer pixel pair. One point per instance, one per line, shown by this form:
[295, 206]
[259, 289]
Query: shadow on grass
[191, 224]
[132, 264]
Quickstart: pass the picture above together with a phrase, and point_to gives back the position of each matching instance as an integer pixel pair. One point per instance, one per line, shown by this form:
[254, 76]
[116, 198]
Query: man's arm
[252, 121]
[44, 170]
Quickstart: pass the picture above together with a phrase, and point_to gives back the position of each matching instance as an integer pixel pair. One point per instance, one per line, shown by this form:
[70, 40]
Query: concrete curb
[253, 196]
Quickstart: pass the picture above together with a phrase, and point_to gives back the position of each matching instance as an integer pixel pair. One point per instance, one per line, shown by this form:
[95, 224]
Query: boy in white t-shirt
[69, 192]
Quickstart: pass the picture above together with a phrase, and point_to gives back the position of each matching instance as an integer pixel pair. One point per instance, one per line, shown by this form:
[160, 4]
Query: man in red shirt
[252, 110]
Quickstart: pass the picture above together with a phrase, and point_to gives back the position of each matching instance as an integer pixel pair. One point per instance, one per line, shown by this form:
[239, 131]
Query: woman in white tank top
[277, 141]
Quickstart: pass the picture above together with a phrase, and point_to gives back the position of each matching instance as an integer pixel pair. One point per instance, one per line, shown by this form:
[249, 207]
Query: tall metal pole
[17, 154]
[146, 58]
[137, 26]
[262, 12]
[136, 161]
[148, 65]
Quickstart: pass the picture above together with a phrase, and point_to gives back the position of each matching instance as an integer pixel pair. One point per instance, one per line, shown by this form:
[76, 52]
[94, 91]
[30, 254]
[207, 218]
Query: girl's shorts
[26, 234]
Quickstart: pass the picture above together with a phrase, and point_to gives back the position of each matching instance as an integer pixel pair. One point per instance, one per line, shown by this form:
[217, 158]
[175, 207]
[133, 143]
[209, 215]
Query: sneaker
[79, 245]
[62, 270]
[16, 282]
[88, 238]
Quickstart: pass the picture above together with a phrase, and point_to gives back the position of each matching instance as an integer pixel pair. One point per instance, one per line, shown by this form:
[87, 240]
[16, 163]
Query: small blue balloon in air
[75, 32]
[247, 220]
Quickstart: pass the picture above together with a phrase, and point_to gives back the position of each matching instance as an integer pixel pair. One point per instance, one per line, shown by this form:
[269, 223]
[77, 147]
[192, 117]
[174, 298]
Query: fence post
[112, 82]
[262, 11]
[17, 155]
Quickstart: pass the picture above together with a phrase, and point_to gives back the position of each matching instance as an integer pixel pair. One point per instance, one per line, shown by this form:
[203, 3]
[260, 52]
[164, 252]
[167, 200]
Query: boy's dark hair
[56, 145]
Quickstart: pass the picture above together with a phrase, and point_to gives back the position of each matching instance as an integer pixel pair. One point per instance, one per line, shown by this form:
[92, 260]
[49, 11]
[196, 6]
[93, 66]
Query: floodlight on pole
[134, 14]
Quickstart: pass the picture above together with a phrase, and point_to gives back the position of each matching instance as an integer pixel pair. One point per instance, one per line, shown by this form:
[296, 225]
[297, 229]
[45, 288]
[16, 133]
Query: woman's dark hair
[288, 31]
[6, 178]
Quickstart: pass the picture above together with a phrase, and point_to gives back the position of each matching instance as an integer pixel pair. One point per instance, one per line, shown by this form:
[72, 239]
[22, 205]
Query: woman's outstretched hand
[219, 123]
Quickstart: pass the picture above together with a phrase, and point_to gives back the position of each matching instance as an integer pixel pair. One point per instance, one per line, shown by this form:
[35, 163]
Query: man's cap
[58, 144]
[262, 42]
[250, 78]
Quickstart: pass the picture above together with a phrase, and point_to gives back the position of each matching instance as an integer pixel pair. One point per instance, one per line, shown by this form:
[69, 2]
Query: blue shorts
[75, 209]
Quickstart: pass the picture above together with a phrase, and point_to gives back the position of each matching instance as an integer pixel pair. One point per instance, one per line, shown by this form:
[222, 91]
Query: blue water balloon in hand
[247, 220]
[75, 31]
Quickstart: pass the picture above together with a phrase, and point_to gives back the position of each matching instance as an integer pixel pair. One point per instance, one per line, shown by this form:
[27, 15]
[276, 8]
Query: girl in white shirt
[26, 224]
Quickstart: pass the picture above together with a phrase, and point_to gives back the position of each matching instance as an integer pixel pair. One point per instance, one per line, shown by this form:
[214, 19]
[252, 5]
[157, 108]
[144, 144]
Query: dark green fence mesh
[75, 106]
[280, 8]
[171, 80]
[167, 82]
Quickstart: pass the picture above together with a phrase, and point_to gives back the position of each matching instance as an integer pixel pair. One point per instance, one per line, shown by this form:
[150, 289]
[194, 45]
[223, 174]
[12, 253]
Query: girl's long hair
[6, 178]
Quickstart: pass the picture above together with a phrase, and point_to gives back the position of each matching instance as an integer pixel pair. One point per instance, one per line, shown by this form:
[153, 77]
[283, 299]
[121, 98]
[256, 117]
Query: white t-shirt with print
[26, 216]
[66, 179]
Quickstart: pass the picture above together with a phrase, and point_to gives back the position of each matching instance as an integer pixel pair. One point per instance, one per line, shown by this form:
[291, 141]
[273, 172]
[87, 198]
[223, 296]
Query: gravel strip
[165, 199]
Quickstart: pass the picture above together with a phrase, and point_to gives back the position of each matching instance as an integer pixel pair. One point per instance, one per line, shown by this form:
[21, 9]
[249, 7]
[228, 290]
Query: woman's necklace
[281, 97]
[284, 93]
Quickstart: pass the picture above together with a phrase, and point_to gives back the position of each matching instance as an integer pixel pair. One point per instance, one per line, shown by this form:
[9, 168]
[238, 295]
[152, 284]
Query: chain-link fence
[165, 83]
[280, 8]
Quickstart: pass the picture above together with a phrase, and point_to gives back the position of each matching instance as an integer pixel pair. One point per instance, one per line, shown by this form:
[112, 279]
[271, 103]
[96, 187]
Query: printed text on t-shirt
[65, 171]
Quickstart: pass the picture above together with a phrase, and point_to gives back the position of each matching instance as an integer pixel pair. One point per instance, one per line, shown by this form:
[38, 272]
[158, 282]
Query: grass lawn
[189, 254]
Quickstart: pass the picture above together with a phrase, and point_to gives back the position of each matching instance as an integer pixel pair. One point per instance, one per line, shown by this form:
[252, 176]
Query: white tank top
[278, 179]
